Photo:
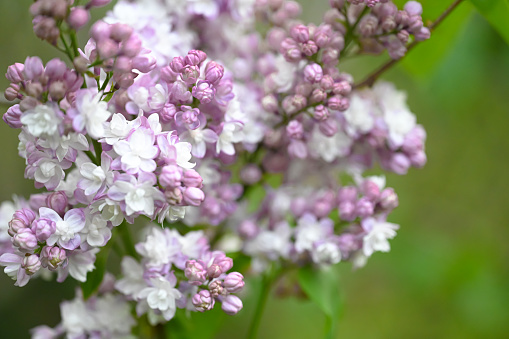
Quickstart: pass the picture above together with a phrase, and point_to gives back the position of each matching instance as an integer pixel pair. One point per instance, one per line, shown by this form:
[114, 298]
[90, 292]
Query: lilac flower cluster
[146, 126]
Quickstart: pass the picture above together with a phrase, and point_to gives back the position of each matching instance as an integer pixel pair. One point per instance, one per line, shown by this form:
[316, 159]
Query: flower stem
[264, 295]
[123, 230]
[370, 80]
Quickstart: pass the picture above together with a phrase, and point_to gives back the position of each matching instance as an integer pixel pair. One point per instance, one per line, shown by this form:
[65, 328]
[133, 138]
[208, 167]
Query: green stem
[264, 295]
[123, 230]
[68, 50]
[74, 43]
[98, 149]
[92, 158]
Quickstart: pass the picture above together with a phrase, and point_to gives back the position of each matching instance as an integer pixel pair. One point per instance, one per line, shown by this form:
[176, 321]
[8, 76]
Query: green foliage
[323, 288]
[497, 14]
[95, 277]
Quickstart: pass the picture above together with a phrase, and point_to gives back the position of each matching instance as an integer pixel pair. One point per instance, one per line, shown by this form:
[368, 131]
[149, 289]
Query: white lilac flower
[79, 264]
[12, 263]
[110, 210]
[62, 145]
[172, 149]
[113, 316]
[310, 230]
[377, 235]
[90, 113]
[271, 244]
[77, 320]
[284, 77]
[359, 116]
[329, 148]
[96, 231]
[138, 151]
[139, 195]
[48, 171]
[94, 177]
[118, 128]
[207, 8]
[43, 120]
[326, 252]
[7, 209]
[67, 229]
[160, 248]
[230, 134]
[132, 282]
[162, 296]
[198, 138]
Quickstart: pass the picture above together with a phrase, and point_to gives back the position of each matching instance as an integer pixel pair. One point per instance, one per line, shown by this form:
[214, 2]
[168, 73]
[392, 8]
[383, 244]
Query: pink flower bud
[328, 127]
[144, 63]
[203, 301]
[168, 75]
[214, 72]
[132, 46]
[31, 264]
[53, 257]
[368, 25]
[192, 179]
[347, 211]
[342, 88]
[12, 92]
[43, 229]
[78, 17]
[292, 8]
[423, 34]
[247, 229]
[195, 272]
[318, 95]
[177, 64]
[55, 69]
[418, 159]
[338, 103]
[270, 103]
[370, 190]
[107, 48]
[313, 73]
[125, 80]
[231, 304]
[250, 174]
[34, 89]
[299, 206]
[193, 196]
[330, 56]
[15, 73]
[321, 113]
[12, 117]
[234, 282]
[170, 176]
[195, 58]
[100, 31]
[300, 33]
[204, 92]
[121, 32]
[58, 202]
[214, 271]
[338, 4]
[413, 8]
[399, 163]
[33, 68]
[123, 64]
[295, 130]
[25, 240]
[347, 193]
[190, 74]
[26, 215]
[223, 261]
[327, 82]
[275, 37]
[216, 288]
[28, 103]
[15, 225]
[168, 113]
[309, 48]
[388, 199]
[364, 207]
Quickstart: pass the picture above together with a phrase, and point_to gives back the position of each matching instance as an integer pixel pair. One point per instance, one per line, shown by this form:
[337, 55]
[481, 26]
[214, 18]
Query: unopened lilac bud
[368, 25]
[168, 75]
[337, 42]
[328, 127]
[59, 9]
[214, 72]
[15, 72]
[402, 18]
[98, 3]
[224, 262]
[234, 282]
[123, 64]
[34, 89]
[195, 272]
[275, 4]
[309, 48]
[203, 301]
[121, 32]
[12, 92]
[300, 33]
[107, 48]
[190, 74]
[330, 56]
[294, 103]
[193, 196]
[27, 216]
[342, 88]
[418, 159]
[168, 113]
[292, 8]
[53, 257]
[57, 201]
[177, 64]
[33, 68]
[388, 199]
[313, 73]
[144, 63]
[338, 4]
[25, 240]
[370, 190]
[214, 271]
[270, 103]
[364, 207]
[304, 89]
[275, 37]
[327, 82]
[125, 80]
[100, 31]
[248, 229]
[132, 46]
[423, 34]
[413, 8]
[399, 163]
[231, 304]
[45, 28]
[192, 179]
[204, 92]
[15, 225]
[31, 264]
[338, 103]
[295, 130]
[318, 95]
[171, 176]
[347, 193]
[43, 229]
[347, 211]
[195, 57]
[78, 17]
[216, 288]
[250, 174]
[321, 113]
[28, 103]
[12, 117]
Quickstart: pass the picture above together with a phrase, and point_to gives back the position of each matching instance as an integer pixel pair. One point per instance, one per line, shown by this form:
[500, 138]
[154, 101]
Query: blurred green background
[447, 274]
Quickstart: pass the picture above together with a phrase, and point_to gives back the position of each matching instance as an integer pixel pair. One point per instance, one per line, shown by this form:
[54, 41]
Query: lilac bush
[225, 131]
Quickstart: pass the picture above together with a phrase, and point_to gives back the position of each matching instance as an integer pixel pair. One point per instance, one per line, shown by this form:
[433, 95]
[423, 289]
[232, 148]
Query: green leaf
[497, 14]
[322, 287]
[95, 277]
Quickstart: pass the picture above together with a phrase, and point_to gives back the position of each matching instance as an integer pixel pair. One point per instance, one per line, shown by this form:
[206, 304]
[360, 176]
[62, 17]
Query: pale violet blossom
[230, 134]
[67, 229]
[12, 263]
[329, 148]
[7, 209]
[162, 296]
[172, 149]
[377, 235]
[62, 145]
[42, 120]
[96, 231]
[132, 282]
[359, 115]
[159, 248]
[110, 210]
[138, 151]
[79, 264]
[90, 113]
[113, 316]
[118, 128]
[76, 318]
[95, 178]
[198, 138]
[310, 230]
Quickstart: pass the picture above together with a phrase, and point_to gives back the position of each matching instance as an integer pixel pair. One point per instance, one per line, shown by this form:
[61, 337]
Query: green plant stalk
[262, 301]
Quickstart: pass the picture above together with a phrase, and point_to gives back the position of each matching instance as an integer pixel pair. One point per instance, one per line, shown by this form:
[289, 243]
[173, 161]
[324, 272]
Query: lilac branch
[370, 80]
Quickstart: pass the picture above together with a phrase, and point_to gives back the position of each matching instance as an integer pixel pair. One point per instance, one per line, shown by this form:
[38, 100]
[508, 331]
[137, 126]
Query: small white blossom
[42, 120]
[92, 113]
[162, 296]
[378, 234]
[132, 281]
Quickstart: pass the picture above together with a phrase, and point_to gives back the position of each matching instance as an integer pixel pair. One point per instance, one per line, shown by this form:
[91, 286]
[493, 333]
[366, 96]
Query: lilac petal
[10, 258]
[75, 218]
[48, 213]
[71, 244]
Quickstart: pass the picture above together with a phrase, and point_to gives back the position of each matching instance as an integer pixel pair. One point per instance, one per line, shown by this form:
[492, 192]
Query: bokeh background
[447, 274]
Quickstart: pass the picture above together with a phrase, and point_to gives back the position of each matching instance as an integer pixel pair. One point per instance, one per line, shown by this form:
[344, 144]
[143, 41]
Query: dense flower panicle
[181, 112]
